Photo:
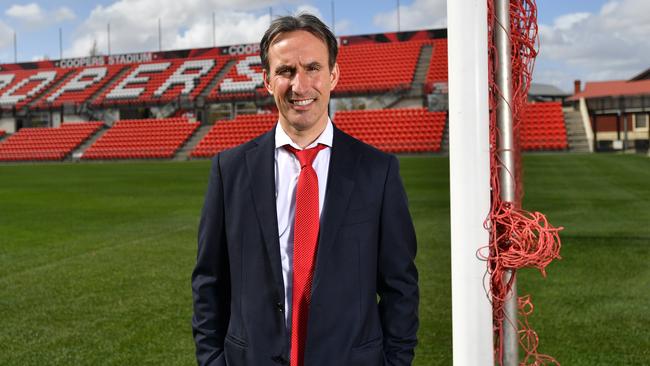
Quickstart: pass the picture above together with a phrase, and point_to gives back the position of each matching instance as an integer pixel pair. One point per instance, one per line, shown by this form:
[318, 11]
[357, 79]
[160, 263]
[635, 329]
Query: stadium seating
[228, 133]
[161, 81]
[543, 127]
[372, 67]
[46, 143]
[79, 86]
[20, 87]
[142, 139]
[377, 67]
[395, 130]
[438, 65]
[242, 80]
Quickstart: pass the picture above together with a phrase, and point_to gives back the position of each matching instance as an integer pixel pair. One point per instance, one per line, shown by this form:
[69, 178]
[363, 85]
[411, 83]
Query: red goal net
[518, 238]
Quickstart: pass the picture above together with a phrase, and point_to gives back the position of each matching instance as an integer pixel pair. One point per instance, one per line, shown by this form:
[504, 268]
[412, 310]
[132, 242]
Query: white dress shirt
[287, 170]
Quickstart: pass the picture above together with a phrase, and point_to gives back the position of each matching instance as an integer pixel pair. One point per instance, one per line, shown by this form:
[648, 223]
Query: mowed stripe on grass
[95, 260]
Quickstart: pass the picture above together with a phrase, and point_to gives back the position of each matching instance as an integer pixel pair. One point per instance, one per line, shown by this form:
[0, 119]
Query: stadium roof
[645, 75]
[547, 90]
[603, 89]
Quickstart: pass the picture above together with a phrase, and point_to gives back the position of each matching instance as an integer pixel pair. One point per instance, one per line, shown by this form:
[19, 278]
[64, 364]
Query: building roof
[547, 90]
[644, 75]
[616, 88]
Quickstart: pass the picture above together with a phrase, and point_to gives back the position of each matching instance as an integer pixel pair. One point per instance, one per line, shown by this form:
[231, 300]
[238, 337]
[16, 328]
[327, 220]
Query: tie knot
[306, 156]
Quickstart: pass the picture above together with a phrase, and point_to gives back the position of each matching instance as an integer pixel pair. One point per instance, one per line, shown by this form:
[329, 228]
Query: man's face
[300, 80]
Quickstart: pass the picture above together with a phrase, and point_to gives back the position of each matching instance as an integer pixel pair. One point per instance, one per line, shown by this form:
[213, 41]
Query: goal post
[469, 160]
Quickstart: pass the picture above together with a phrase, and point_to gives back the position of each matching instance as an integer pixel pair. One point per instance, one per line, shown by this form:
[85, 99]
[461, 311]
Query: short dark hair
[304, 22]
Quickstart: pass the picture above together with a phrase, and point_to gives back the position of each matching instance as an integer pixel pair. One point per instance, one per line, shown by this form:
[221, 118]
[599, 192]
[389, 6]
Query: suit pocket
[360, 215]
[370, 353]
[235, 350]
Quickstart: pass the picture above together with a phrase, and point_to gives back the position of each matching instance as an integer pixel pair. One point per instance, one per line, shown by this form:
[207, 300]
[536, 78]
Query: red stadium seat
[79, 86]
[543, 127]
[46, 143]
[229, 133]
[142, 139]
[438, 65]
[395, 130]
[162, 81]
[18, 88]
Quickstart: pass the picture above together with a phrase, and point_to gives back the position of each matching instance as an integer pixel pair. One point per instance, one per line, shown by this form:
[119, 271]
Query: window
[640, 121]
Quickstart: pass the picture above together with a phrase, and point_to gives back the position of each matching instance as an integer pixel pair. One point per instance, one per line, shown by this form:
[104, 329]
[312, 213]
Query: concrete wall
[71, 118]
[8, 124]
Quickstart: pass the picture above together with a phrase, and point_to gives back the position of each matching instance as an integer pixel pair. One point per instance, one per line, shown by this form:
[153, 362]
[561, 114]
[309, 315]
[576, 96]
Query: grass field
[95, 260]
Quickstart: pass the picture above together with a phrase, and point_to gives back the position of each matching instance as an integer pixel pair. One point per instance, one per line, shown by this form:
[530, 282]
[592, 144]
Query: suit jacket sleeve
[397, 275]
[210, 278]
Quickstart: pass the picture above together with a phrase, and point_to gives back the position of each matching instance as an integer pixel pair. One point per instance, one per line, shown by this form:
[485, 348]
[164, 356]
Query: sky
[590, 40]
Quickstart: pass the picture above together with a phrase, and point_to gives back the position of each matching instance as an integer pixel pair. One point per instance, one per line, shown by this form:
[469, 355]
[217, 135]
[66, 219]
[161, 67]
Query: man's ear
[334, 76]
[267, 85]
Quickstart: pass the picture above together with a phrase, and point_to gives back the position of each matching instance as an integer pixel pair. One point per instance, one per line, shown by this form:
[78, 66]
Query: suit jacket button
[281, 360]
[280, 307]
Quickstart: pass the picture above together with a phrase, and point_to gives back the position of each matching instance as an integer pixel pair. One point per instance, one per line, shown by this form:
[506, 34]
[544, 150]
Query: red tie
[305, 240]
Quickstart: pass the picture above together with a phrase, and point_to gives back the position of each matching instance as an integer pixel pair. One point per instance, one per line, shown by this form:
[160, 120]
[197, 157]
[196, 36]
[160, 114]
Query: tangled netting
[518, 238]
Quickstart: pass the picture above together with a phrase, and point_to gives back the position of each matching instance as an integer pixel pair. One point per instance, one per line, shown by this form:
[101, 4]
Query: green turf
[95, 260]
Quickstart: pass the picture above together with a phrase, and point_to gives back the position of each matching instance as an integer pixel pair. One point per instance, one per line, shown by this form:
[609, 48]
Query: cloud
[35, 17]
[185, 24]
[31, 12]
[233, 29]
[309, 9]
[420, 14]
[343, 26]
[6, 35]
[567, 21]
[607, 45]
[63, 13]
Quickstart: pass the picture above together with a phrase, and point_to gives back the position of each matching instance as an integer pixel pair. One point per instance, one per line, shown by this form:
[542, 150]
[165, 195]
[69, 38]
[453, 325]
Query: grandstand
[391, 94]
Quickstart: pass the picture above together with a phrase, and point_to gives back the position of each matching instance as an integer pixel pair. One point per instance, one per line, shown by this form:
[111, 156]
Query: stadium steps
[78, 152]
[444, 143]
[421, 70]
[55, 85]
[575, 130]
[412, 97]
[388, 100]
[199, 134]
[217, 79]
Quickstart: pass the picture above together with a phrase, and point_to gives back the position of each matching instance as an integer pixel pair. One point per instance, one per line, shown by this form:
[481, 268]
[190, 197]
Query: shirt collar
[325, 138]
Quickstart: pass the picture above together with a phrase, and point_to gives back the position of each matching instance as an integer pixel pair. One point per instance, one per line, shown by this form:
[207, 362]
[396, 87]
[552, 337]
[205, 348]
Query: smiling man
[306, 247]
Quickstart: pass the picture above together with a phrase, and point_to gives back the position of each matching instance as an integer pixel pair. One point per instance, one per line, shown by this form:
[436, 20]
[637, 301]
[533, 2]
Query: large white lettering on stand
[6, 79]
[244, 68]
[190, 80]
[45, 77]
[81, 81]
[122, 92]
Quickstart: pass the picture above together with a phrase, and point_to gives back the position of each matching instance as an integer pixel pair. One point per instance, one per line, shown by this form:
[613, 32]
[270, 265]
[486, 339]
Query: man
[306, 245]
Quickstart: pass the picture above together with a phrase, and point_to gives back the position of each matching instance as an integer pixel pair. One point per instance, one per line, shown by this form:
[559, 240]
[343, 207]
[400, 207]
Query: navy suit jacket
[364, 302]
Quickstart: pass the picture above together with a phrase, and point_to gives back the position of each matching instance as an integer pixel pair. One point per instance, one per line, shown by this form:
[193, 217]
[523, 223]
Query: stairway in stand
[184, 152]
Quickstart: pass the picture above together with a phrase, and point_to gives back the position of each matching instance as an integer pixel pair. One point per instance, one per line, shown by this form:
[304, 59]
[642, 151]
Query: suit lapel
[343, 163]
[261, 162]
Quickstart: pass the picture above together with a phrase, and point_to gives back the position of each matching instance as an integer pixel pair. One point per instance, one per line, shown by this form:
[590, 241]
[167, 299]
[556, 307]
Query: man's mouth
[302, 102]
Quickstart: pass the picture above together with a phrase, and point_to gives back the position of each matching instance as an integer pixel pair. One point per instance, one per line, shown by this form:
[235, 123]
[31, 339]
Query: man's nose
[300, 82]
